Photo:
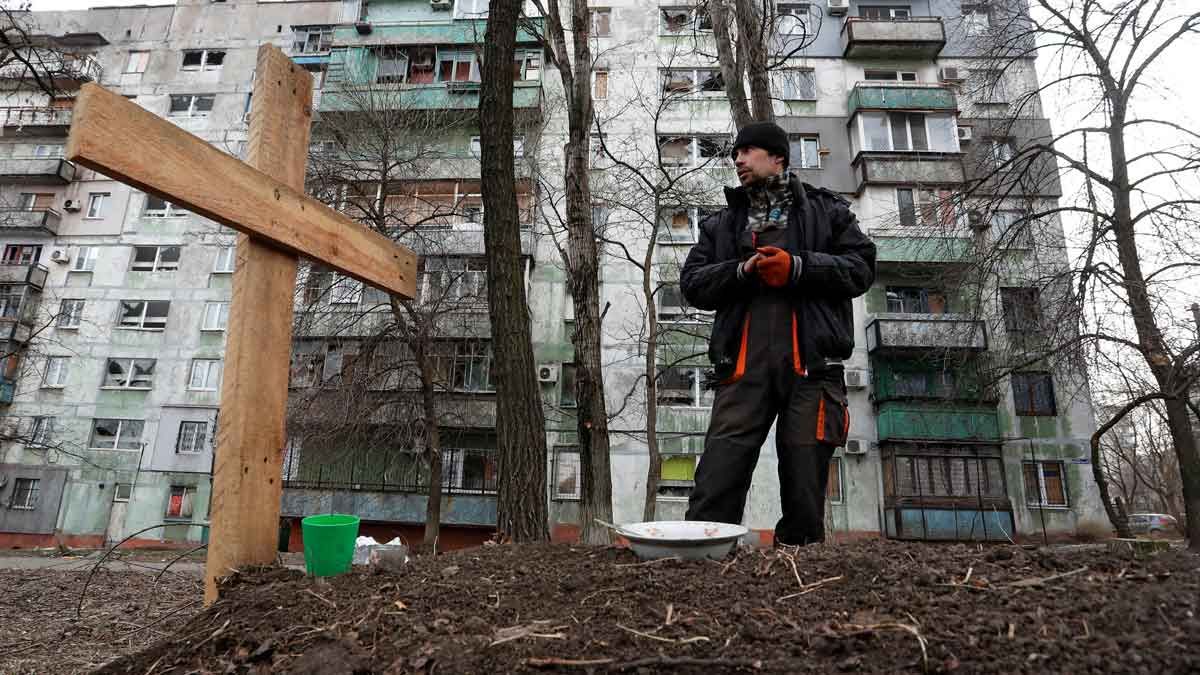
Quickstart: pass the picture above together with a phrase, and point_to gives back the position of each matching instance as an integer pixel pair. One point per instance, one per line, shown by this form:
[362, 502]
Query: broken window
[465, 366]
[1045, 483]
[203, 59]
[392, 65]
[41, 433]
[675, 20]
[421, 65]
[692, 80]
[180, 502]
[192, 438]
[157, 207]
[191, 105]
[683, 386]
[915, 300]
[144, 314]
[457, 65]
[312, 39]
[116, 434]
[155, 258]
[129, 374]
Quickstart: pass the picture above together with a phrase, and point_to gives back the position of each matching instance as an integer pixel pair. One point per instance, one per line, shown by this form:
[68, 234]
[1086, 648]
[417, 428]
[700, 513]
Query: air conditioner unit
[59, 256]
[855, 446]
[964, 133]
[838, 7]
[548, 372]
[950, 75]
[71, 205]
[856, 379]
[439, 4]
[363, 27]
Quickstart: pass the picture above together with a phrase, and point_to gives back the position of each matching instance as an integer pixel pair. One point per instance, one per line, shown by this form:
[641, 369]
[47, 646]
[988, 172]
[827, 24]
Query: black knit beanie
[766, 135]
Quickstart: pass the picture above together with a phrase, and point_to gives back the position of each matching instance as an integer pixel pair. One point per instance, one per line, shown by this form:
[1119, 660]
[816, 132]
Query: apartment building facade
[113, 393]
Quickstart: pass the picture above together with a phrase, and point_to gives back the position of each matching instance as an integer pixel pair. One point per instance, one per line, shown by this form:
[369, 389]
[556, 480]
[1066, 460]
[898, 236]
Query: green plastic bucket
[329, 543]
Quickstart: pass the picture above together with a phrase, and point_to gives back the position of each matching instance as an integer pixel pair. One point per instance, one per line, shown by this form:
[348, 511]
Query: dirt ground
[875, 606]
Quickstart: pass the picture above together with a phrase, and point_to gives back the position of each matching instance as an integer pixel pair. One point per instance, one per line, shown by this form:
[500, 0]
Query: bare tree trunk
[520, 422]
[1149, 334]
[731, 68]
[433, 446]
[654, 470]
[583, 267]
[753, 31]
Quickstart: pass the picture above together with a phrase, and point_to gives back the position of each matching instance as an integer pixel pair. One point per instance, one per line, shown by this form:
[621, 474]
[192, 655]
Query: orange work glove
[775, 266]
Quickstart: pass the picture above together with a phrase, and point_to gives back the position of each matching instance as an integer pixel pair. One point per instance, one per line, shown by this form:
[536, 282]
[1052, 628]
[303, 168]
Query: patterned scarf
[770, 201]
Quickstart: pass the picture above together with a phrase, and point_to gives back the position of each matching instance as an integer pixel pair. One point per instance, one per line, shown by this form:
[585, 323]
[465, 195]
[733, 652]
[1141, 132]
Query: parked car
[1153, 523]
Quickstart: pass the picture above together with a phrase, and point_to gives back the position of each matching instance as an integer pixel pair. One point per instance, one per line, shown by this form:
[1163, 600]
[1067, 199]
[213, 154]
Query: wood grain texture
[116, 137]
[247, 469]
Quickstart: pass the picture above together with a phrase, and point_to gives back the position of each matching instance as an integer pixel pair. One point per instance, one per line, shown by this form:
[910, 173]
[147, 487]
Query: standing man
[779, 266]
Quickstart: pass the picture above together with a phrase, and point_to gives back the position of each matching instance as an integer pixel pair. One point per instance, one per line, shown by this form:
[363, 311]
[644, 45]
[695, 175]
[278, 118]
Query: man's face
[755, 164]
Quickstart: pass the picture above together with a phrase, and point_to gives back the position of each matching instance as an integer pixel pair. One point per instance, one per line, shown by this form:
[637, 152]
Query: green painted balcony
[464, 96]
[899, 251]
[912, 38]
[921, 333]
[918, 379]
[900, 96]
[925, 421]
[29, 221]
[458, 32]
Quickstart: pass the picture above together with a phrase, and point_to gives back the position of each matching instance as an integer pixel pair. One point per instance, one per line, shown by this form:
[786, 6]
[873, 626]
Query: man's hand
[774, 266]
[750, 265]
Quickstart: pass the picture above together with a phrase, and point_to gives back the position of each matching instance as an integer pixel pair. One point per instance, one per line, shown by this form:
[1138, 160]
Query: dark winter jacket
[837, 264]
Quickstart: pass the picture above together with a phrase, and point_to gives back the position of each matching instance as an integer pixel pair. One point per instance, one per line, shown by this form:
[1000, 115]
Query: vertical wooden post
[249, 454]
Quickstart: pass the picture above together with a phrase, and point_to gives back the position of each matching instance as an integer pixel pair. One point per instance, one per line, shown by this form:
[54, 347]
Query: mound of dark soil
[874, 606]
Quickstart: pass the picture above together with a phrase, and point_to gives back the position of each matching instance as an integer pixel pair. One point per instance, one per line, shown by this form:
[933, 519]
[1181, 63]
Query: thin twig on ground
[810, 588]
[1038, 581]
[321, 598]
[648, 562]
[682, 641]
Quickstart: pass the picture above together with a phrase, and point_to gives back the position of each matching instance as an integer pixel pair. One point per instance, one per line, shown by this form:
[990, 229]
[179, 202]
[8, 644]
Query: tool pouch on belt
[833, 415]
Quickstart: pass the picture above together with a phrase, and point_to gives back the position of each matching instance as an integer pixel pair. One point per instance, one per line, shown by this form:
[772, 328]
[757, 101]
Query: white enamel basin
[687, 539]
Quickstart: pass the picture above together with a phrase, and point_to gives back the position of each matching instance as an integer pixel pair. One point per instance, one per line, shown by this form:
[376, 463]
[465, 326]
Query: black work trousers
[812, 420]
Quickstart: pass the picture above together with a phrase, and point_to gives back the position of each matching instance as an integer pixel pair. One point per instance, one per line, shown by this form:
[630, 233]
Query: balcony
[447, 96]
[32, 275]
[925, 421]
[29, 221]
[31, 121]
[918, 379]
[870, 95]
[907, 168]
[907, 333]
[918, 249]
[912, 38]
[37, 170]
[63, 70]
[8, 390]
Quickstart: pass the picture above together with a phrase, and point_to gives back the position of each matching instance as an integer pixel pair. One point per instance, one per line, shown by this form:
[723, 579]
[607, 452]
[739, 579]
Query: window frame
[158, 265]
[121, 427]
[95, 209]
[130, 365]
[221, 324]
[693, 24]
[205, 65]
[782, 76]
[192, 112]
[564, 386]
[212, 371]
[801, 11]
[593, 12]
[694, 159]
[889, 10]
[199, 441]
[1039, 471]
[596, 73]
[324, 33]
[31, 491]
[804, 140]
[187, 499]
[695, 76]
[145, 314]
[137, 62]
[61, 369]
[169, 209]
[74, 312]
[228, 255]
[556, 478]
[41, 431]
[1027, 378]
[701, 398]
[85, 259]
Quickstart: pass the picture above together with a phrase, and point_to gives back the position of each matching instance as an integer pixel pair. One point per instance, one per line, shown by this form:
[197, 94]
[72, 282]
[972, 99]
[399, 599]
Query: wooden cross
[264, 200]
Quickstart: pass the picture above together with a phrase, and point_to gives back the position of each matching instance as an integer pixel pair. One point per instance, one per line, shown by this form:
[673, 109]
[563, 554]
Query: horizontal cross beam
[118, 138]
